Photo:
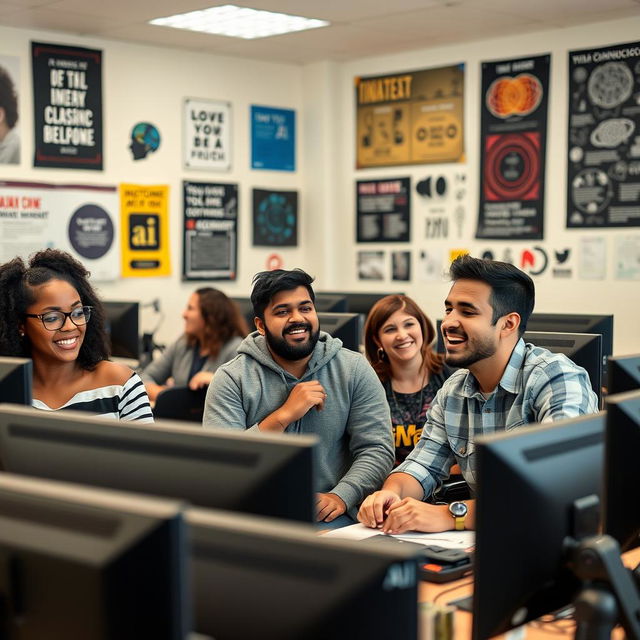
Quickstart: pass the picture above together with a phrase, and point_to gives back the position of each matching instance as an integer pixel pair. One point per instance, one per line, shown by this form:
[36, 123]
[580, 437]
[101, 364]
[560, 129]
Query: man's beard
[479, 350]
[288, 351]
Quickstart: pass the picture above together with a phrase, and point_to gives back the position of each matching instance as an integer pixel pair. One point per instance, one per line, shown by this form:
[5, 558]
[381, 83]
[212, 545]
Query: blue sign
[273, 138]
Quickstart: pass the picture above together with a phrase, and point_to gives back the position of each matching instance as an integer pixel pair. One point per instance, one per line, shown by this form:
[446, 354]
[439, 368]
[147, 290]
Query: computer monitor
[528, 481]
[331, 302]
[256, 578]
[246, 309]
[92, 564]
[360, 302]
[16, 375]
[585, 349]
[623, 373]
[621, 476]
[346, 326]
[122, 326]
[219, 468]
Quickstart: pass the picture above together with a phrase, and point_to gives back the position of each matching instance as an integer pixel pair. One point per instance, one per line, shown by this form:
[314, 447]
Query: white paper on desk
[447, 539]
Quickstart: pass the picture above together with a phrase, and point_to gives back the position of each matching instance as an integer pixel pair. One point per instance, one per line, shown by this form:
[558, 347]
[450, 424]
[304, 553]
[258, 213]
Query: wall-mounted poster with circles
[275, 218]
[513, 138]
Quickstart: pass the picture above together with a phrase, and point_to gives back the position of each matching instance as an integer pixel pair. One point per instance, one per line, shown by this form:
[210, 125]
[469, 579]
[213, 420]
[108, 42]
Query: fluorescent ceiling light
[239, 22]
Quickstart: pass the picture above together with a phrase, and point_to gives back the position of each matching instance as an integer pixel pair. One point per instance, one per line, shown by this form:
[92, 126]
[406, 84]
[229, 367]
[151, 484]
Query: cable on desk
[468, 583]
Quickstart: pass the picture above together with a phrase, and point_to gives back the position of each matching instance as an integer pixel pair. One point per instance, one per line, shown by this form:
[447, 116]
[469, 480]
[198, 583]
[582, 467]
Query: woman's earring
[381, 354]
[21, 332]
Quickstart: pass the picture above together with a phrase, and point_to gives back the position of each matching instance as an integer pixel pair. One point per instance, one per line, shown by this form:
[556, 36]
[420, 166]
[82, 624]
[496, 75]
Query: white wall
[149, 83]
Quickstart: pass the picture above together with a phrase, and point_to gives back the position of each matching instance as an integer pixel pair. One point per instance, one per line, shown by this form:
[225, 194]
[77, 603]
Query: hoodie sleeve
[223, 404]
[370, 438]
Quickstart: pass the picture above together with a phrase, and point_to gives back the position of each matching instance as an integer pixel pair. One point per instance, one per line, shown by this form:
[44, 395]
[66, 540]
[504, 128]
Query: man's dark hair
[511, 289]
[267, 284]
[8, 98]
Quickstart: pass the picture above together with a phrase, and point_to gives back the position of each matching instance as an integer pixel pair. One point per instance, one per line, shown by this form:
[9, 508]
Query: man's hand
[303, 397]
[374, 509]
[200, 380]
[410, 514]
[329, 506]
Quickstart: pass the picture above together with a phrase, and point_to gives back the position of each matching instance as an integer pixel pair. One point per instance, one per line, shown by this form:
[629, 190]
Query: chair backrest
[180, 403]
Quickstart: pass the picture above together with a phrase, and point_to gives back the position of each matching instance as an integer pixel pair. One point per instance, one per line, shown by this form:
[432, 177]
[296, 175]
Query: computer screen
[621, 476]
[359, 302]
[256, 578]
[91, 564]
[331, 302]
[528, 481]
[219, 468]
[16, 376]
[246, 309]
[346, 326]
[122, 326]
[623, 373]
[585, 349]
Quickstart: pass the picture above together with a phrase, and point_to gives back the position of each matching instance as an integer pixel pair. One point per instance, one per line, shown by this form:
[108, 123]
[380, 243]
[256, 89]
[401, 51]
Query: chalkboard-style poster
[513, 139]
[210, 231]
[603, 168]
[275, 218]
[67, 105]
[383, 210]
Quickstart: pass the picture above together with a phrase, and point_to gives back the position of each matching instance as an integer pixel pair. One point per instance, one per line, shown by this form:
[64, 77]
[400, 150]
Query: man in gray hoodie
[291, 377]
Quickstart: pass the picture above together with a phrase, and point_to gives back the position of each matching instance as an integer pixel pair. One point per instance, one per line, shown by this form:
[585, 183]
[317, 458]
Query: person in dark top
[398, 339]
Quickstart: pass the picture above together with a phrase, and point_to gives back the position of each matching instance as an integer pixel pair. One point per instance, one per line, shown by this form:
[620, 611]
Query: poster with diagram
[603, 168]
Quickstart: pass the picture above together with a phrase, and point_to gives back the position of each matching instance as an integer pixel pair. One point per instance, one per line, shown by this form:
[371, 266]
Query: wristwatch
[459, 511]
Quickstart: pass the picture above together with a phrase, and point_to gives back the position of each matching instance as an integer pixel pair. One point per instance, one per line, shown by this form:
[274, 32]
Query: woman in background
[398, 339]
[50, 313]
[213, 330]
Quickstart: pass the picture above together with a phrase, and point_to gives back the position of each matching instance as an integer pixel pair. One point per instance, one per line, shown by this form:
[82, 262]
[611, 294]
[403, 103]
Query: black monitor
[585, 349]
[122, 325]
[330, 302]
[92, 564]
[622, 479]
[256, 578]
[623, 373]
[527, 482]
[219, 468]
[360, 302]
[16, 375]
[346, 326]
[246, 309]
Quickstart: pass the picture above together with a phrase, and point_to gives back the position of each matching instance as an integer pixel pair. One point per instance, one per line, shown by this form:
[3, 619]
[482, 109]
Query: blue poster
[273, 138]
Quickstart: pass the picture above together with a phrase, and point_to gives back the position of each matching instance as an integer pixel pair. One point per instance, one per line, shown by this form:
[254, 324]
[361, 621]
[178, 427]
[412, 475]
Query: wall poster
[275, 218]
[207, 134]
[67, 105]
[413, 117]
[9, 121]
[210, 231]
[513, 140]
[383, 210]
[273, 138]
[603, 169]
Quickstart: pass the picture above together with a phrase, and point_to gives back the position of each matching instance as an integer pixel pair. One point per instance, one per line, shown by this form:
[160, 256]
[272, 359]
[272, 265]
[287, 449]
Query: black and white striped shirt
[122, 402]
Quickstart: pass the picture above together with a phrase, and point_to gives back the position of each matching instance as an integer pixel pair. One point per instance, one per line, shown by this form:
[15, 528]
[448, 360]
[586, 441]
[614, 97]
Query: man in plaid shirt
[502, 384]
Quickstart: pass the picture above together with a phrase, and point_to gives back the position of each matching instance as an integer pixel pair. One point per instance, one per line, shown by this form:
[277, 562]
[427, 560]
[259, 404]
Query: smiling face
[61, 345]
[192, 316]
[290, 324]
[467, 329]
[401, 338]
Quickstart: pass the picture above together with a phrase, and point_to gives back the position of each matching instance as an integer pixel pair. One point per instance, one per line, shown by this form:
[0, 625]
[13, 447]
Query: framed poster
[273, 138]
[383, 210]
[275, 218]
[207, 134]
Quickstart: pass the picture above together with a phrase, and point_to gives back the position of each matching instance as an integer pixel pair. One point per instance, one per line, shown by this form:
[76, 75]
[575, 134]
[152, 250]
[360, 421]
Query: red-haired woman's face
[193, 320]
[401, 338]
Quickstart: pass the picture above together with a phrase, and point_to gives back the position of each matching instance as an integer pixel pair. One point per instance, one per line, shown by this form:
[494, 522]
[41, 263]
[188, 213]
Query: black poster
[210, 232]
[603, 168]
[383, 210]
[513, 140]
[275, 218]
[67, 103]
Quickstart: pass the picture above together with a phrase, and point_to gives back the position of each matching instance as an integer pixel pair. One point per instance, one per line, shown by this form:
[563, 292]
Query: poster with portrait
[67, 106]
[413, 117]
[273, 138]
[210, 231]
[144, 212]
[513, 140]
[383, 210]
[82, 220]
[207, 134]
[10, 114]
[275, 218]
[603, 168]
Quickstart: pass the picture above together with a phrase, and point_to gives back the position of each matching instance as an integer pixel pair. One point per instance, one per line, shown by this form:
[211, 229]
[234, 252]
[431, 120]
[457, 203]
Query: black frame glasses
[59, 318]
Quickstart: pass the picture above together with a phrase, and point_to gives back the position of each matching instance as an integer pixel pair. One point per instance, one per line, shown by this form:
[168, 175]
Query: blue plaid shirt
[537, 386]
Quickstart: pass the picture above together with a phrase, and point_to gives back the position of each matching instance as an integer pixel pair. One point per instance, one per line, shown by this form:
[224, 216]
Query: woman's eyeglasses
[54, 320]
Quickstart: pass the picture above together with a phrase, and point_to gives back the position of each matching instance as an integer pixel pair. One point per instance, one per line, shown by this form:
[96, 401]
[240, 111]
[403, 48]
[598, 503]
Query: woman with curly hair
[213, 329]
[398, 340]
[50, 313]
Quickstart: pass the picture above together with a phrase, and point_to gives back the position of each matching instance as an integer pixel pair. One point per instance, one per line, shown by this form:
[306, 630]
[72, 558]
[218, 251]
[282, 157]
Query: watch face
[458, 509]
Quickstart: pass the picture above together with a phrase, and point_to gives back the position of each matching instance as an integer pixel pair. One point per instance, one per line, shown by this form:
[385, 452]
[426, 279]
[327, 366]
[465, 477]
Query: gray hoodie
[355, 450]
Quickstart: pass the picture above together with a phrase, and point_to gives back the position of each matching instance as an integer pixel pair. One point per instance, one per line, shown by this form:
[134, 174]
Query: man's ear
[259, 325]
[510, 323]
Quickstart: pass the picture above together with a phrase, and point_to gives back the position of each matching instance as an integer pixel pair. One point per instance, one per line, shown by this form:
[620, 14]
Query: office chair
[180, 403]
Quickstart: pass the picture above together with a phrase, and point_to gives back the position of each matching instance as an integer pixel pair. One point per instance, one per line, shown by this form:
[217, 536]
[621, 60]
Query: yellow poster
[144, 212]
[410, 118]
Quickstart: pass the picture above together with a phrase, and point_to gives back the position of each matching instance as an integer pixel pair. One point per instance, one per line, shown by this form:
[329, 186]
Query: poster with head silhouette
[144, 139]
[9, 111]
[207, 134]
